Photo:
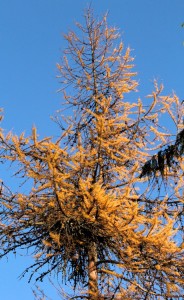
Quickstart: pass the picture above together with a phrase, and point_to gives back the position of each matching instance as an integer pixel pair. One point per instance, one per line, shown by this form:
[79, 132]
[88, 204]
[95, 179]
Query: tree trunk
[92, 273]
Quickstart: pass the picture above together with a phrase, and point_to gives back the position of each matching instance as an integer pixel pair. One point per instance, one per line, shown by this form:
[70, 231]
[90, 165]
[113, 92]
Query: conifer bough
[91, 216]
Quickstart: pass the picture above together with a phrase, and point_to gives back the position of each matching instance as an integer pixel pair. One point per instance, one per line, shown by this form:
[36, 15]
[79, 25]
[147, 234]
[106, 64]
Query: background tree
[90, 215]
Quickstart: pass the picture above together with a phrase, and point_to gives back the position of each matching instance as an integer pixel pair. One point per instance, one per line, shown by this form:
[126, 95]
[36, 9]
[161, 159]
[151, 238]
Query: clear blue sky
[31, 44]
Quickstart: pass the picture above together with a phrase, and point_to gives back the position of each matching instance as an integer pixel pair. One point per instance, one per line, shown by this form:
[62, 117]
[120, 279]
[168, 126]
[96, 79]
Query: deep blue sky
[31, 44]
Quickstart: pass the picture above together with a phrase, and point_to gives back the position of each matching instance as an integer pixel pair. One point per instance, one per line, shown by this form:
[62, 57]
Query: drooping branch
[167, 158]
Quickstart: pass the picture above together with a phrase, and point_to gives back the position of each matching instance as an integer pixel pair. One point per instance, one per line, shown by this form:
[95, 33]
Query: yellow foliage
[87, 204]
[55, 237]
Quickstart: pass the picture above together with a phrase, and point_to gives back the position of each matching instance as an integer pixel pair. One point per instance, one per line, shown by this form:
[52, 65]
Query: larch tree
[92, 215]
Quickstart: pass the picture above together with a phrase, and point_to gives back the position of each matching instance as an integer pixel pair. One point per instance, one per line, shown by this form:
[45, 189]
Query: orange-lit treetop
[90, 216]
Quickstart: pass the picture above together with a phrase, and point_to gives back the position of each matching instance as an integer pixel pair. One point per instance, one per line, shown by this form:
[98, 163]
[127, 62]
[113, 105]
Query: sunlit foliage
[91, 215]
